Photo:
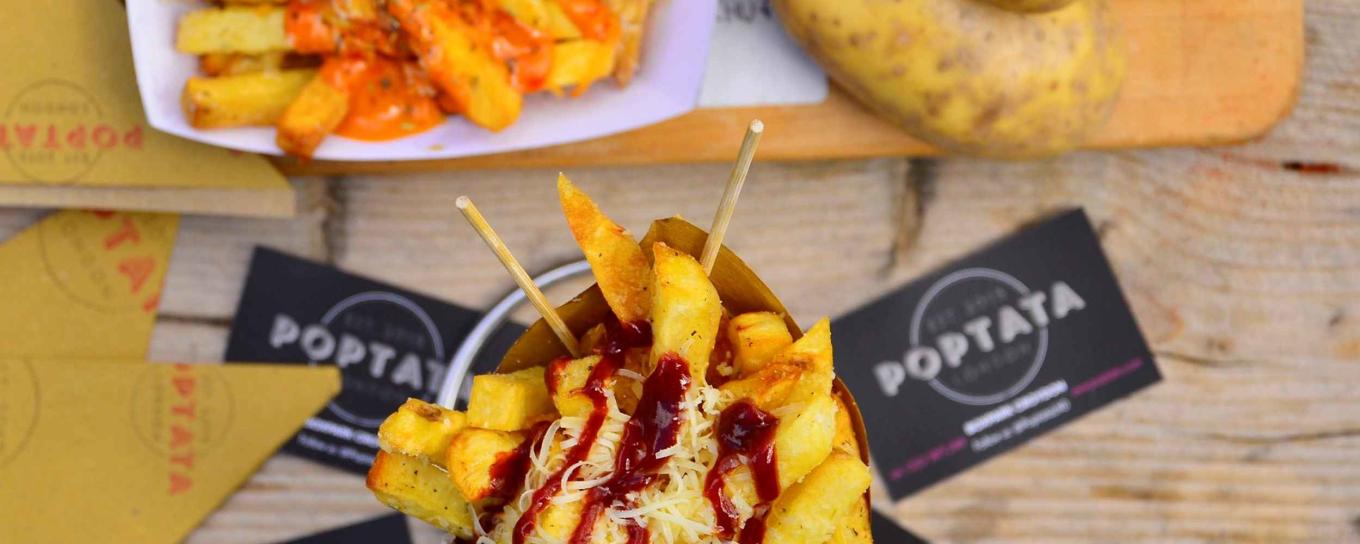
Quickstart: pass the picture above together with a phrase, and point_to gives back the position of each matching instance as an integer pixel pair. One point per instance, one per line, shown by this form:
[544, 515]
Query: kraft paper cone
[100, 452]
[82, 284]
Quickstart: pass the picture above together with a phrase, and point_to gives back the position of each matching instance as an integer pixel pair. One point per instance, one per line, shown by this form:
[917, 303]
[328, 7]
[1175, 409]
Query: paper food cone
[738, 286]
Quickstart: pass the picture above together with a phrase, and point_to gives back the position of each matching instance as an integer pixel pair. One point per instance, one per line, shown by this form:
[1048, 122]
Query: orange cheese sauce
[388, 100]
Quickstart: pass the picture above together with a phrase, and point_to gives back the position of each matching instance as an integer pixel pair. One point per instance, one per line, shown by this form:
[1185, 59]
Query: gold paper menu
[84, 284]
[73, 132]
[138, 452]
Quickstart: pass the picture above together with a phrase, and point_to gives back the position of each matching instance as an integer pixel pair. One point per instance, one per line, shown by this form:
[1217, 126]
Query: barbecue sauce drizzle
[744, 431]
[654, 426]
[619, 337]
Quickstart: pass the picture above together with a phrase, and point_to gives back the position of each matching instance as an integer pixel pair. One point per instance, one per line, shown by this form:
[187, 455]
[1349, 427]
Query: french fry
[845, 440]
[807, 512]
[853, 527]
[236, 64]
[633, 20]
[421, 429]
[465, 70]
[542, 14]
[685, 310]
[756, 338]
[314, 114]
[509, 402]
[567, 377]
[620, 266]
[579, 63]
[768, 388]
[803, 440]
[472, 454]
[417, 488]
[243, 29]
[244, 100]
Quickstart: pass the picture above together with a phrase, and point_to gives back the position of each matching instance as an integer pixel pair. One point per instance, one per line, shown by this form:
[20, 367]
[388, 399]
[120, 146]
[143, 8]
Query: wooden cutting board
[1201, 72]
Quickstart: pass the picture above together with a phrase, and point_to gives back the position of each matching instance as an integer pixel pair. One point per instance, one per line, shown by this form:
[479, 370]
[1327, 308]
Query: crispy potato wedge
[414, 487]
[559, 520]
[620, 266]
[471, 456]
[421, 429]
[756, 338]
[769, 388]
[845, 440]
[853, 527]
[313, 115]
[633, 21]
[236, 64]
[807, 512]
[509, 402]
[544, 14]
[243, 29]
[803, 439]
[685, 310]
[578, 64]
[474, 80]
[565, 378]
[258, 99]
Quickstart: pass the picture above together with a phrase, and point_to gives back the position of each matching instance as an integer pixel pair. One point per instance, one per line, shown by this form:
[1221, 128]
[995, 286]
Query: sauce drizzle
[618, 339]
[745, 436]
[654, 427]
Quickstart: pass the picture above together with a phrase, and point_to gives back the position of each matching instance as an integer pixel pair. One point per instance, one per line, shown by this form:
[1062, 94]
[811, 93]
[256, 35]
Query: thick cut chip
[244, 29]
[509, 402]
[314, 114]
[578, 64]
[685, 310]
[853, 527]
[421, 429]
[845, 440]
[620, 266]
[566, 377]
[768, 388]
[472, 456]
[632, 23]
[756, 338]
[813, 350]
[458, 64]
[415, 487]
[807, 512]
[803, 439]
[257, 99]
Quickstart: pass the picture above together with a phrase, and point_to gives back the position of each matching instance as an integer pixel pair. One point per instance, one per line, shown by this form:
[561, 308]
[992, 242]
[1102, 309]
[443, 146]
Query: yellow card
[100, 452]
[70, 113]
[84, 284]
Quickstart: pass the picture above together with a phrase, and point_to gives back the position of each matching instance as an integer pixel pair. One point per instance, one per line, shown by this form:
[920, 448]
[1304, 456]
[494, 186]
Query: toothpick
[517, 272]
[729, 201]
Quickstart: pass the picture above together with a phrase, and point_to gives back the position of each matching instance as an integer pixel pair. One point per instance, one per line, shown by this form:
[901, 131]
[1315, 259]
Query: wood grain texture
[1201, 72]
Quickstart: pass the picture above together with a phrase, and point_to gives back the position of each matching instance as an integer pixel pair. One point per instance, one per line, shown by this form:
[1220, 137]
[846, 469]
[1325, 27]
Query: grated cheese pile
[673, 509]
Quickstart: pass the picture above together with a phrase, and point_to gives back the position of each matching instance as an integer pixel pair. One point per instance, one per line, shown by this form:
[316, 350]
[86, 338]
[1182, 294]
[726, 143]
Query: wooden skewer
[723, 217]
[517, 272]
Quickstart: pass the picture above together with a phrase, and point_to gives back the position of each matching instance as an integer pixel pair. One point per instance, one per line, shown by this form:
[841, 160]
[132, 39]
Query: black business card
[990, 352]
[389, 344]
[389, 529]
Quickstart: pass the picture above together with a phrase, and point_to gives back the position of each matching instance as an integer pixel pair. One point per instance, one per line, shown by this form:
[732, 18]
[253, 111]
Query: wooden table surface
[1242, 265]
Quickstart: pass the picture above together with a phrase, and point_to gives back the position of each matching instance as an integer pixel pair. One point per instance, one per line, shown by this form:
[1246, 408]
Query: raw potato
[509, 402]
[756, 337]
[966, 76]
[472, 454]
[1032, 6]
[421, 429]
[808, 512]
[413, 486]
[619, 265]
[247, 100]
[685, 311]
